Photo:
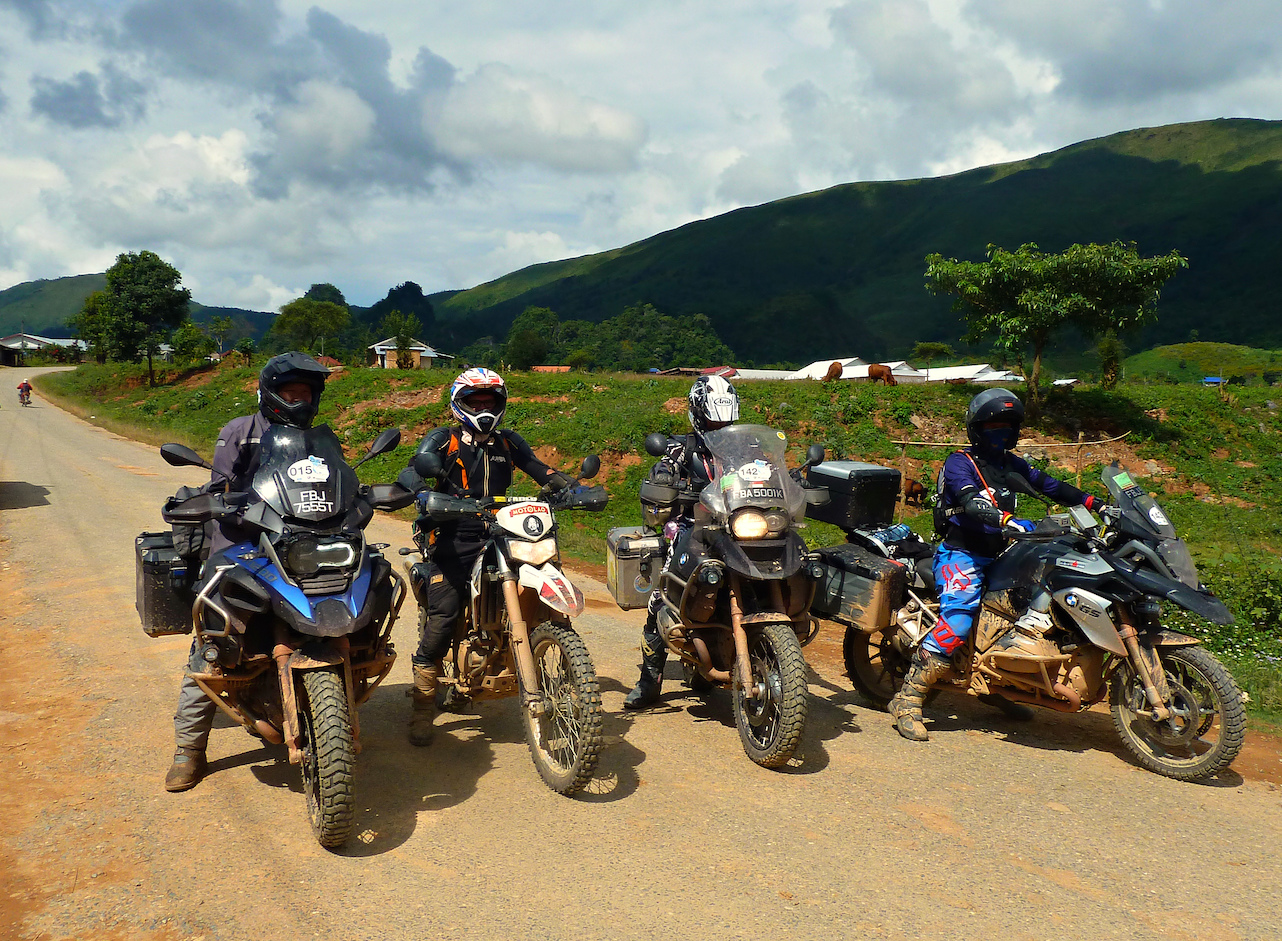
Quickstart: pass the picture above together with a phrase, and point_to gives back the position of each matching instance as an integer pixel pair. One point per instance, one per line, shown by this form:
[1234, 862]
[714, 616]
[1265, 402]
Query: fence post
[1080, 435]
[903, 480]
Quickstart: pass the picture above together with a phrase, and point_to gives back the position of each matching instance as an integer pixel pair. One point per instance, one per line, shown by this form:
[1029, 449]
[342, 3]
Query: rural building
[977, 372]
[382, 354]
[15, 346]
[852, 367]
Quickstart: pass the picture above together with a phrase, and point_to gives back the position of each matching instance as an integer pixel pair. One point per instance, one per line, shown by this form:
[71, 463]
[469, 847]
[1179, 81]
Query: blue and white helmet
[482, 419]
[713, 403]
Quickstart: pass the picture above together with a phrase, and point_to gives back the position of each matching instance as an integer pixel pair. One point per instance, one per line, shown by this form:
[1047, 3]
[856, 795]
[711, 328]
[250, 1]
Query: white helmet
[713, 403]
[479, 379]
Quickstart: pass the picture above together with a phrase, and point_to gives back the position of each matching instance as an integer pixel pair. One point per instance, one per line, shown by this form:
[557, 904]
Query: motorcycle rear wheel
[1208, 726]
[329, 757]
[771, 724]
[565, 742]
[875, 667]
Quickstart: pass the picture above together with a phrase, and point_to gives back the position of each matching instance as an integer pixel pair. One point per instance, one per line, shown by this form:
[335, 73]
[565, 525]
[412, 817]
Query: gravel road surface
[994, 829]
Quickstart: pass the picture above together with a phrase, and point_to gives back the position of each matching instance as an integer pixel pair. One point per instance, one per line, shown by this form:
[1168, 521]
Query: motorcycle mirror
[814, 455]
[591, 467]
[387, 440]
[656, 444]
[177, 455]
[428, 464]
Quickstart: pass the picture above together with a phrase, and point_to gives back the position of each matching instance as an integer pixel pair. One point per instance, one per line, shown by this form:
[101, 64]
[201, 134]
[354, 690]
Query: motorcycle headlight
[776, 522]
[535, 553]
[307, 556]
[749, 524]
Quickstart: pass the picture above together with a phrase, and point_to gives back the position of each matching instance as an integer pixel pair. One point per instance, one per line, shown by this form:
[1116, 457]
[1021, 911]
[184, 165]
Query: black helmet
[281, 370]
[713, 403]
[992, 405]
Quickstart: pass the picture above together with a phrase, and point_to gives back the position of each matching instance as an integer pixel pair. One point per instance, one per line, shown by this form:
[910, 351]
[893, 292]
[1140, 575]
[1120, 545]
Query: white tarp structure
[976, 372]
[760, 374]
[852, 367]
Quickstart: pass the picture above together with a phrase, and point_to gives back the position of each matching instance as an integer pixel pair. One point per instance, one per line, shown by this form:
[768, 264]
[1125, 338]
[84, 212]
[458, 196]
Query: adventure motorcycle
[736, 595]
[1175, 707]
[515, 635]
[295, 624]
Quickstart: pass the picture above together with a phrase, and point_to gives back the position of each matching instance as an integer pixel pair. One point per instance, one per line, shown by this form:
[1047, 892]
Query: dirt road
[993, 830]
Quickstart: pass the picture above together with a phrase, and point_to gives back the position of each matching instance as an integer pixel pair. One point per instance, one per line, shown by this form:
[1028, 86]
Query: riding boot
[654, 656]
[423, 693]
[927, 668]
[188, 768]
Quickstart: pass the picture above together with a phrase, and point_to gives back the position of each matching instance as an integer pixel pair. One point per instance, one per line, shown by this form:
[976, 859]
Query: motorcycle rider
[713, 404]
[24, 392]
[289, 391]
[477, 457]
[976, 508]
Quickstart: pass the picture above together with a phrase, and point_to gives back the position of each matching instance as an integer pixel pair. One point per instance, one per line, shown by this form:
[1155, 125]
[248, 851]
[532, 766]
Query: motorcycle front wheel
[329, 757]
[565, 741]
[1207, 726]
[771, 722]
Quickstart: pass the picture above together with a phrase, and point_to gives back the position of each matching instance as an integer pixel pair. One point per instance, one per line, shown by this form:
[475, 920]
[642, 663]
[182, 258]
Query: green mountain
[44, 307]
[840, 271]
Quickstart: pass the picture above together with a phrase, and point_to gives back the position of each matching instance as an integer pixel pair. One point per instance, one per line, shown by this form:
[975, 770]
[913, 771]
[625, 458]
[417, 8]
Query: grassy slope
[841, 270]
[1191, 362]
[1222, 450]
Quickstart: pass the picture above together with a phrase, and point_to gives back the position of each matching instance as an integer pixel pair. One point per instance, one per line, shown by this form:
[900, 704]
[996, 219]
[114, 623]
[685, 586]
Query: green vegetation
[45, 307]
[839, 272]
[1219, 458]
[1192, 362]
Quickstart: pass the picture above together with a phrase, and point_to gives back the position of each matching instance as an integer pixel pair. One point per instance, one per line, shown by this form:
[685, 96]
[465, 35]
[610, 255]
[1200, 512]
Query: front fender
[553, 588]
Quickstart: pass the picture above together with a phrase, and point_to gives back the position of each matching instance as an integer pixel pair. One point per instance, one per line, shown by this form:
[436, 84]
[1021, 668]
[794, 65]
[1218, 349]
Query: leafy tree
[145, 303]
[929, 351]
[1025, 296]
[219, 328]
[1111, 352]
[307, 322]
[404, 327]
[326, 293]
[408, 298]
[92, 325]
[191, 343]
[246, 349]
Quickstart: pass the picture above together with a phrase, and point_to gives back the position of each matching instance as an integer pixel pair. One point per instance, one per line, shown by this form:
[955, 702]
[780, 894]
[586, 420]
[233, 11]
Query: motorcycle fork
[290, 662]
[740, 640]
[520, 633]
[1148, 667]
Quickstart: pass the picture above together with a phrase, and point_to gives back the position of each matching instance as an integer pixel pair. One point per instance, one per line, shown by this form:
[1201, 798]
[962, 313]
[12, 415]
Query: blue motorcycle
[295, 622]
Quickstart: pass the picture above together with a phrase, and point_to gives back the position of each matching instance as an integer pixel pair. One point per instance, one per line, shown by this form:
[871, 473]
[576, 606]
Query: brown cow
[914, 492]
[879, 373]
[834, 372]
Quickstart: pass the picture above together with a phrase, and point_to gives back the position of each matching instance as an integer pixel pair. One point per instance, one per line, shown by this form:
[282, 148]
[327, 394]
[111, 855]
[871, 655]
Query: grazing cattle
[914, 492]
[834, 372]
[879, 373]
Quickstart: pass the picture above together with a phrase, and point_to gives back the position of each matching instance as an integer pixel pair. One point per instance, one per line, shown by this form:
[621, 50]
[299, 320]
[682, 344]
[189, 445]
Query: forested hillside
[841, 270]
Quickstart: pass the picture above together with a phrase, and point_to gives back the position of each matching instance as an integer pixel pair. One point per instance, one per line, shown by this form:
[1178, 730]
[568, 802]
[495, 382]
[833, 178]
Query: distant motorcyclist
[976, 513]
[289, 392]
[477, 457]
[24, 392]
[713, 404]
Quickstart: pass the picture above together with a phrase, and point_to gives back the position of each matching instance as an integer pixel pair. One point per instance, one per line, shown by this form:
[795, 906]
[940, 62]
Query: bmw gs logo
[1071, 601]
[533, 526]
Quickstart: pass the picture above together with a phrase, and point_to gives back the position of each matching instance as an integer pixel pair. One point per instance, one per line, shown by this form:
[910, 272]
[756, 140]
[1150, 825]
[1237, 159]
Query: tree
[246, 349]
[929, 351]
[92, 325]
[145, 304]
[1111, 352]
[327, 293]
[408, 298]
[219, 327]
[191, 343]
[403, 327]
[531, 338]
[306, 322]
[1025, 296]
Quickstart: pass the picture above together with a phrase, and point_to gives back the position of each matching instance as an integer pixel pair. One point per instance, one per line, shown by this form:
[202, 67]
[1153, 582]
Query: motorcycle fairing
[750, 470]
[786, 555]
[1202, 603]
[1089, 612]
[317, 615]
[553, 588]
[302, 473]
[530, 519]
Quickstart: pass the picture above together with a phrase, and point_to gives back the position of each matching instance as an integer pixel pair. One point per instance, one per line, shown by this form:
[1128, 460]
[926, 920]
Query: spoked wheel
[771, 721]
[329, 757]
[565, 741]
[1207, 726]
[873, 663]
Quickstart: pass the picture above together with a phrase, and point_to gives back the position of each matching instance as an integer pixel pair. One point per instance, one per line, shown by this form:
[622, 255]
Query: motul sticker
[310, 470]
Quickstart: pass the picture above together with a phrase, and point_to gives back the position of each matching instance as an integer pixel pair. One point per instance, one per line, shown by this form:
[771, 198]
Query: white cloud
[498, 114]
[324, 127]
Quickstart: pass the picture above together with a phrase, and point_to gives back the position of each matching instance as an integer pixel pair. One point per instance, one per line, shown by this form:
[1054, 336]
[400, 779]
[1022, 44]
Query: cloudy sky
[263, 145]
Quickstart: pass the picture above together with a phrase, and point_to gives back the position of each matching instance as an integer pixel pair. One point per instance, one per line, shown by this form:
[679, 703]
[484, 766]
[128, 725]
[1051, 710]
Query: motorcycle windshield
[1135, 503]
[302, 473]
[1177, 558]
[750, 470]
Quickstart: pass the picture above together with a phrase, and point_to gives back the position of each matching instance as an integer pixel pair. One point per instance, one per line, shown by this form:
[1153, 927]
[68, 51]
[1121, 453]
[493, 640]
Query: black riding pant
[444, 591]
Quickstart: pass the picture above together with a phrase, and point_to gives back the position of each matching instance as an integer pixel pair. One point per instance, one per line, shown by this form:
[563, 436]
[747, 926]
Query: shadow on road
[19, 495]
